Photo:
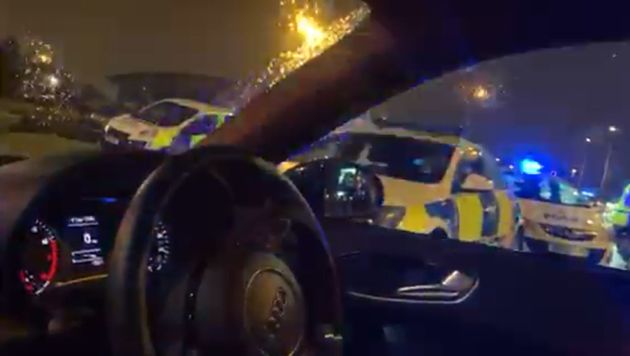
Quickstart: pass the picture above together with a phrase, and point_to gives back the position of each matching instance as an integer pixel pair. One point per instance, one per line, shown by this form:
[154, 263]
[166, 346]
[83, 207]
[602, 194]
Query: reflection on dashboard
[160, 247]
[72, 245]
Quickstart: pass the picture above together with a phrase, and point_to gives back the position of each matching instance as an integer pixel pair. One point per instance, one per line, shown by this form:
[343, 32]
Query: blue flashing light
[588, 194]
[108, 200]
[530, 166]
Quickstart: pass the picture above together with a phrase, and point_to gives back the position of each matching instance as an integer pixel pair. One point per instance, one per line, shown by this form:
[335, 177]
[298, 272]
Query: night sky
[545, 102]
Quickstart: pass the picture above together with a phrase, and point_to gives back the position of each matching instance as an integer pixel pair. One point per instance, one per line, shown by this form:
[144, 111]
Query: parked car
[172, 125]
[434, 183]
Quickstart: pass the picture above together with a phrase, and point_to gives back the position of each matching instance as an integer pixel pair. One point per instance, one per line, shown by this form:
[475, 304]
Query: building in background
[134, 90]
[9, 58]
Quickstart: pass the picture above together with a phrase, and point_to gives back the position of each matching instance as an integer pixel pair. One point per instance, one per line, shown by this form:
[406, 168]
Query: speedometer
[160, 248]
[39, 258]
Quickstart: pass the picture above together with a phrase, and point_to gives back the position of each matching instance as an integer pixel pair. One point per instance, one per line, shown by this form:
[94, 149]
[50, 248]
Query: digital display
[82, 234]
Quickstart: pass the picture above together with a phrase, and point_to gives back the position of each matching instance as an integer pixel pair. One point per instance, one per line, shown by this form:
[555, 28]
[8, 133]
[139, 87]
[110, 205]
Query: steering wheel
[250, 271]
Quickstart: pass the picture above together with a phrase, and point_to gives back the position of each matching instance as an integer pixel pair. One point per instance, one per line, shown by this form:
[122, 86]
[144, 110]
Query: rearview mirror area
[338, 189]
[477, 183]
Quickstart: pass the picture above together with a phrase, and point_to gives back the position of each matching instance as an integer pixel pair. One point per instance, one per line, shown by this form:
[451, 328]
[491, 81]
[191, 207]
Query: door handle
[455, 285]
[452, 289]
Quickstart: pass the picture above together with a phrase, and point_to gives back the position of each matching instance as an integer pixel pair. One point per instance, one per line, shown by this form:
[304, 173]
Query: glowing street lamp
[312, 33]
[588, 140]
[44, 58]
[480, 93]
[613, 130]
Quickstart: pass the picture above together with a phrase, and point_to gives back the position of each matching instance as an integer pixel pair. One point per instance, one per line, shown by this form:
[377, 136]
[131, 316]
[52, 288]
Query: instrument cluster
[71, 245]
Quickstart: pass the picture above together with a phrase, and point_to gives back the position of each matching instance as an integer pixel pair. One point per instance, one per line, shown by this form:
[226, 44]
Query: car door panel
[560, 304]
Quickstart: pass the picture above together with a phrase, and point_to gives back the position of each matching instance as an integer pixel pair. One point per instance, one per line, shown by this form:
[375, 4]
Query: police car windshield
[166, 113]
[551, 190]
[406, 158]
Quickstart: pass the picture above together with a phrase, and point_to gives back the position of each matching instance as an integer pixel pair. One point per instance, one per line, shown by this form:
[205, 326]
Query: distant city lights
[53, 81]
[613, 128]
[44, 58]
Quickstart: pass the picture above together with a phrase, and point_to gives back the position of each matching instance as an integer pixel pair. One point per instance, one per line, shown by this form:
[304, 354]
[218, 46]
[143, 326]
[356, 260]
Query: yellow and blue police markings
[486, 217]
[617, 216]
[436, 208]
[619, 212]
[184, 139]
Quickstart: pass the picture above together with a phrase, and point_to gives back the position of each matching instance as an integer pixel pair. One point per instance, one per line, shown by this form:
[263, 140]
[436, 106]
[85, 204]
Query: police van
[434, 183]
[557, 218]
[172, 125]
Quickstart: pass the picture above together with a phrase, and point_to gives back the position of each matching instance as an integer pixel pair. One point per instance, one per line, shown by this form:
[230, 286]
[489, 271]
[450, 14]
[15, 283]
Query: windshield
[551, 190]
[483, 145]
[419, 160]
[166, 113]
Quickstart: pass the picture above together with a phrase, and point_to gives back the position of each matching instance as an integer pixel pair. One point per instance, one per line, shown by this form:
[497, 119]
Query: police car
[433, 183]
[557, 218]
[172, 125]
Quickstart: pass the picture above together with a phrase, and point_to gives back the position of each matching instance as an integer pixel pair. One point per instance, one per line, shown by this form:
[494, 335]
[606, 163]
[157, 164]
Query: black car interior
[214, 252]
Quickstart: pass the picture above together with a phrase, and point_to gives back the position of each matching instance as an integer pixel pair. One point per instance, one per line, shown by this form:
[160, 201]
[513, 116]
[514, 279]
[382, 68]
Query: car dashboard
[70, 244]
[57, 246]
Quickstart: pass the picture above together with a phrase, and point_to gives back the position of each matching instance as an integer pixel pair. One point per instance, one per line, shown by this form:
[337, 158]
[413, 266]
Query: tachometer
[39, 257]
[160, 248]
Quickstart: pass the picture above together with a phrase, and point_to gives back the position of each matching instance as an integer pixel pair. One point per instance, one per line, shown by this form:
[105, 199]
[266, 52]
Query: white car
[165, 125]
[556, 218]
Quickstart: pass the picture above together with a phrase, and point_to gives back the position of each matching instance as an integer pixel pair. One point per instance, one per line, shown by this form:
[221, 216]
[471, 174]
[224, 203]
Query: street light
[583, 165]
[309, 29]
[573, 172]
[44, 58]
[613, 130]
[480, 93]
